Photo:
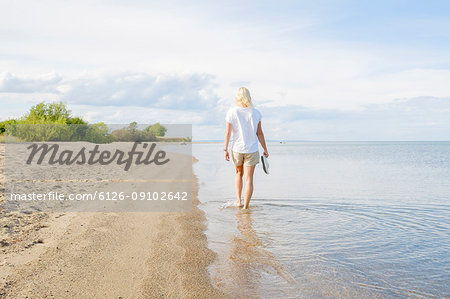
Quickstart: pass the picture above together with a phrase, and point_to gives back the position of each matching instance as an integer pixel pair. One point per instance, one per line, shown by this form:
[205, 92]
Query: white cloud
[187, 92]
[420, 118]
[10, 83]
[178, 92]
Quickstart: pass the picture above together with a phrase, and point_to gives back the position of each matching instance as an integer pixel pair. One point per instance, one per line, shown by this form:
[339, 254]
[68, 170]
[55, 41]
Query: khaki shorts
[248, 159]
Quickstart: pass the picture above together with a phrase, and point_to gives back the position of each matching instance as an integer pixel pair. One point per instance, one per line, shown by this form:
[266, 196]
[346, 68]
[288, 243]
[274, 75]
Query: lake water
[333, 219]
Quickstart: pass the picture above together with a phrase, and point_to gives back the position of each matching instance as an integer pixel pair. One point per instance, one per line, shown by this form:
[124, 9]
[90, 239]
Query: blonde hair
[243, 97]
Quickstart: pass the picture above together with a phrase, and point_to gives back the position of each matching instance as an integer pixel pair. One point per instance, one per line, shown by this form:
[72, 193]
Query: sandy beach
[104, 255]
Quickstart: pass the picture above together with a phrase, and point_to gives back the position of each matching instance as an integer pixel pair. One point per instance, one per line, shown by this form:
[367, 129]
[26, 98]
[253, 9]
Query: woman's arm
[260, 134]
[227, 140]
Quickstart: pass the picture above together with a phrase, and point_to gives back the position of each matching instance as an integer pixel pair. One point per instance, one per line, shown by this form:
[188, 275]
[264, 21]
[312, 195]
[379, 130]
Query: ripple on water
[367, 220]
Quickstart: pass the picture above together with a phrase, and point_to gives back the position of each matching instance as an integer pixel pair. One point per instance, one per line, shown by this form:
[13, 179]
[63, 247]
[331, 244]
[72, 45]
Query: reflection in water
[348, 220]
[241, 270]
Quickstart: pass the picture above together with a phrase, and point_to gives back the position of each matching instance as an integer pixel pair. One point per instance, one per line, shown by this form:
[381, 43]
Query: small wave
[228, 204]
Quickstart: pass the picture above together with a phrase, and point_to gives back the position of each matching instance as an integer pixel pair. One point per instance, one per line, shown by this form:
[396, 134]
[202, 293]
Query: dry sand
[104, 255]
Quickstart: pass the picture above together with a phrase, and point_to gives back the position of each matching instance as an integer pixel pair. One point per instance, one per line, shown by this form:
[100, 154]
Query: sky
[317, 70]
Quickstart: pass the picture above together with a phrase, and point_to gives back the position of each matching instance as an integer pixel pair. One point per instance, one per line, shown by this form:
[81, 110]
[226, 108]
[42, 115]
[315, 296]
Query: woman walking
[244, 123]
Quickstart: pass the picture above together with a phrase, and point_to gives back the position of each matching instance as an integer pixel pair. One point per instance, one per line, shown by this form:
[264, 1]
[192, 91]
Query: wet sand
[104, 255]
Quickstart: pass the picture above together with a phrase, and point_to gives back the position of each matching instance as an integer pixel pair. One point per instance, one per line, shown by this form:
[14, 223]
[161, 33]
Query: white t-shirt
[244, 122]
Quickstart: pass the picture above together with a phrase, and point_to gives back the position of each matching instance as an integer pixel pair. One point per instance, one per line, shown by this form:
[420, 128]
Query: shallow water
[333, 219]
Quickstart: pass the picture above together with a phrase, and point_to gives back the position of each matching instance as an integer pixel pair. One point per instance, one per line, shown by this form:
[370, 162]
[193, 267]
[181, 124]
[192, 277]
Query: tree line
[54, 122]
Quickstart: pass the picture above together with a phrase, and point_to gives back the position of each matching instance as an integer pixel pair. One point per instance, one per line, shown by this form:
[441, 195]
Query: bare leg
[238, 184]
[249, 170]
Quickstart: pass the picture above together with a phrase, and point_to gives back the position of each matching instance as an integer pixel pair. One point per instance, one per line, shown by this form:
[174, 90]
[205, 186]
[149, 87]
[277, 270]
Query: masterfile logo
[122, 169]
[52, 155]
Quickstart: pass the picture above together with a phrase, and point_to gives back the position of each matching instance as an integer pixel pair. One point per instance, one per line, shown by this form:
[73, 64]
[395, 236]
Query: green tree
[5, 123]
[54, 122]
[47, 113]
[157, 130]
[49, 122]
[132, 133]
[98, 133]
[75, 121]
[132, 127]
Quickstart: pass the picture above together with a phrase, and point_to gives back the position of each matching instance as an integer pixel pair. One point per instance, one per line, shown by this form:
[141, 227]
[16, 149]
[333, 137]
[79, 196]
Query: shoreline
[109, 255]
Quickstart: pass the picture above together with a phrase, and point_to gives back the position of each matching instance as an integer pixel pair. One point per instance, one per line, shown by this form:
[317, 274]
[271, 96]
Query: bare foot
[237, 203]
